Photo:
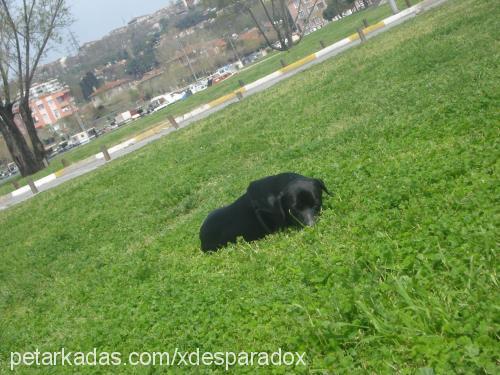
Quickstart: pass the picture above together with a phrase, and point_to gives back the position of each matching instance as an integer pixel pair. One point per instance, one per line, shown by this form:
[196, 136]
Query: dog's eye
[305, 199]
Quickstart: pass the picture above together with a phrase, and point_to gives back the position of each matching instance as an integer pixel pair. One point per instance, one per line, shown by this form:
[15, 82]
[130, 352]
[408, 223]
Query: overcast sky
[96, 18]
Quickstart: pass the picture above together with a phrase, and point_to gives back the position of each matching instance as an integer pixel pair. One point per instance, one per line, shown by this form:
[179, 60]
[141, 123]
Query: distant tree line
[194, 17]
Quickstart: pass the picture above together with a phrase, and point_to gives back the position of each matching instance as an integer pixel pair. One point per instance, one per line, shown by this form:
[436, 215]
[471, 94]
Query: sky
[96, 18]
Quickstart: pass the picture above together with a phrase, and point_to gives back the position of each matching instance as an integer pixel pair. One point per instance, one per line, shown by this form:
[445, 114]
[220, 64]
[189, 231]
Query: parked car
[82, 137]
[92, 133]
[61, 147]
[220, 77]
[12, 168]
[123, 118]
[162, 101]
[198, 86]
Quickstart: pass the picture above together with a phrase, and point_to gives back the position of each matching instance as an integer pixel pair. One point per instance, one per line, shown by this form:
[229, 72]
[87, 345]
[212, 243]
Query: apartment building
[49, 102]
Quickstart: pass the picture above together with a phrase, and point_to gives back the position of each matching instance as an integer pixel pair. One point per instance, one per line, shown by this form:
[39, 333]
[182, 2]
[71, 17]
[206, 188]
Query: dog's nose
[309, 219]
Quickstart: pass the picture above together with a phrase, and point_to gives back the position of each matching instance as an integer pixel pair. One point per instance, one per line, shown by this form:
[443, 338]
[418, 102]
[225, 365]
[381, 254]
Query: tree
[144, 62]
[27, 28]
[88, 85]
[336, 8]
[193, 17]
[143, 57]
[164, 24]
[277, 14]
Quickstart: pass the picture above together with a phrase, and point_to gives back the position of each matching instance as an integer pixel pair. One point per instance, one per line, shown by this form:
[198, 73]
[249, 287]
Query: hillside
[399, 275]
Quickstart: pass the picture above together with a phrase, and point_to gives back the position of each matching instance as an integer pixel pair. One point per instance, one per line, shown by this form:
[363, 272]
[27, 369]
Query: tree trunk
[261, 30]
[287, 23]
[283, 46]
[340, 9]
[38, 148]
[17, 145]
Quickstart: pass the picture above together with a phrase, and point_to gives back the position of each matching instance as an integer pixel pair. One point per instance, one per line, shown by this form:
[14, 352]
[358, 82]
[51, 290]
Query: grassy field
[92, 148]
[311, 43]
[399, 275]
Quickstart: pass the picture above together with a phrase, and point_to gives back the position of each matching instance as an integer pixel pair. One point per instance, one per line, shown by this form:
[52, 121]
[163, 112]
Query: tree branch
[298, 12]
[55, 13]
[5, 82]
[274, 27]
[12, 24]
[259, 27]
[286, 20]
[306, 23]
[27, 23]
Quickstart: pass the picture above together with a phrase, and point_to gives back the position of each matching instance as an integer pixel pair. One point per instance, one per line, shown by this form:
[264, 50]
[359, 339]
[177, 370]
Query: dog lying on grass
[269, 205]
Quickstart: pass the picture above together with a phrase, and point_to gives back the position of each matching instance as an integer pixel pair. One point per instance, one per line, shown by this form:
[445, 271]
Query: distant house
[180, 7]
[149, 76]
[190, 3]
[49, 102]
[139, 19]
[108, 91]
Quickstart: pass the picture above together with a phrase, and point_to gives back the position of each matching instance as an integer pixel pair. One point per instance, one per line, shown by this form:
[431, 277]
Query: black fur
[269, 205]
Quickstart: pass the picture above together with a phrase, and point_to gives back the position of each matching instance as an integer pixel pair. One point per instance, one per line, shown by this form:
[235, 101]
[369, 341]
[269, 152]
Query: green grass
[310, 44]
[330, 34]
[399, 275]
[126, 132]
[6, 186]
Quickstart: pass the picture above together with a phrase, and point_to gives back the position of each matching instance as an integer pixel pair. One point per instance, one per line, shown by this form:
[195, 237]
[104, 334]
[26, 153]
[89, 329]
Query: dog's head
[302, 200]
[287, 199]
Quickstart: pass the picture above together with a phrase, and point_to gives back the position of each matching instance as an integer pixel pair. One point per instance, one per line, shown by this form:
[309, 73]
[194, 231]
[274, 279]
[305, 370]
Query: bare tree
[277, 14]
[28, 26]
[16, 143]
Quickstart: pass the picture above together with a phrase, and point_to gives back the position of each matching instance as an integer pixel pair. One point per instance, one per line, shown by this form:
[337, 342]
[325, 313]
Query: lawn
[121, 134]
[399, 275]
[311, 43]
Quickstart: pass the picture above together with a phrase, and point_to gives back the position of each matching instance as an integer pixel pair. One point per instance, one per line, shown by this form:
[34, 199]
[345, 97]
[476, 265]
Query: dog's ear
[321, 184]
[266, 199]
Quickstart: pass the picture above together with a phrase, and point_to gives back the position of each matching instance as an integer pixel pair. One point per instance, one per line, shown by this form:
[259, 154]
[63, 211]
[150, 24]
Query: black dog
[270, 204]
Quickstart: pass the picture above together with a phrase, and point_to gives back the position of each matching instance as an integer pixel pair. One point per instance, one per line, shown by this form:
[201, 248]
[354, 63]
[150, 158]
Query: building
[149, 76]
[109, 90]
[50, 108]
[49, 102]
[39, 89]
[180, 7]
[300, 9]
[140, 19]
[191, 3]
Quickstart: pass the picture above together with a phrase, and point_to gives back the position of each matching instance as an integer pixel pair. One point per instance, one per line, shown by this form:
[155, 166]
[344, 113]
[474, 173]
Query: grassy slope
[398, 275]
[329, 34]
[83, 152]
